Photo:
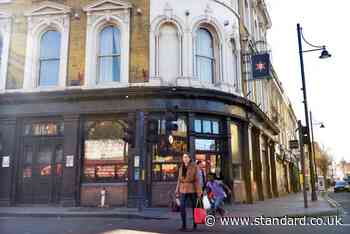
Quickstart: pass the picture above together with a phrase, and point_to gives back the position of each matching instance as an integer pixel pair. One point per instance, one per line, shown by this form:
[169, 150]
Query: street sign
[70, 161]
[294, 144]
[6, 161]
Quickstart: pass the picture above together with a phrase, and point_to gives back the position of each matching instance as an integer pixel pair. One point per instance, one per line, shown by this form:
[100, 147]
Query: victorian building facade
[74, 74]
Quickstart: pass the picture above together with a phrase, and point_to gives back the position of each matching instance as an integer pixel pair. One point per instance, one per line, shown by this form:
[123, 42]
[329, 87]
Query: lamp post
[324, 54]
[302, 160]
[313, 142]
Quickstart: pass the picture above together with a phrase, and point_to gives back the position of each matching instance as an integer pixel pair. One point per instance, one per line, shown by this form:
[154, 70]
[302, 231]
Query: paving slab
[290, 205]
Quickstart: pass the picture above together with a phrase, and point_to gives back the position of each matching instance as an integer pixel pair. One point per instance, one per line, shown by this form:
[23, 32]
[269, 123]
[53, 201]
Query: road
[27, 225]
[344, 200]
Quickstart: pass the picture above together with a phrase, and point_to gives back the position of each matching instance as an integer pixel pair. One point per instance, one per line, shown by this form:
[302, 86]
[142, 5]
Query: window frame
[211, 120]
[198, 55]
[176, 156]
[87, 180]
[99, 56]
[48, 59]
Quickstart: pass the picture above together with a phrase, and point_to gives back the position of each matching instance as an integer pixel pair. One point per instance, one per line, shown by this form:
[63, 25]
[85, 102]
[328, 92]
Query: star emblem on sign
[260, 66]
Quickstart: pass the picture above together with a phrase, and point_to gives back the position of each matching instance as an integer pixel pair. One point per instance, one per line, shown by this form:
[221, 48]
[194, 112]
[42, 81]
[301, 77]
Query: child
[216, 188]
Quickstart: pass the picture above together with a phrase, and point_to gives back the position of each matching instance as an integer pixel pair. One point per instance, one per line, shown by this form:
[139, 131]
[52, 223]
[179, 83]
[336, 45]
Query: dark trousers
[184, 198]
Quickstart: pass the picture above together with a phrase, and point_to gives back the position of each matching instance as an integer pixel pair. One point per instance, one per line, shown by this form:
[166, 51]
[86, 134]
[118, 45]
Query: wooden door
[41, 171]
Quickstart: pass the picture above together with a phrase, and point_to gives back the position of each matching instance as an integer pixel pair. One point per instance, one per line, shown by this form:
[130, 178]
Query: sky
[324, 22]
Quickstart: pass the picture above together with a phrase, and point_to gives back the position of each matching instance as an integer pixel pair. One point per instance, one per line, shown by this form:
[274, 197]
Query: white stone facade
[186, 16]
[5, 34]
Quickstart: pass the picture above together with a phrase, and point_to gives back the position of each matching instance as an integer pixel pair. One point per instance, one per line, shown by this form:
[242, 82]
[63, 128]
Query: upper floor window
[46, 60]
[169, 43]
[247, 14]
[109, 55]
[107, 44]
[49, 61]
[205, 59]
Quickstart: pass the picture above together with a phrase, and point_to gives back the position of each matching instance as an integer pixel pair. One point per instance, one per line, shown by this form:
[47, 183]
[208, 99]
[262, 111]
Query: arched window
[49, 61]
[205, 59]
[169, 52]
[109, 55]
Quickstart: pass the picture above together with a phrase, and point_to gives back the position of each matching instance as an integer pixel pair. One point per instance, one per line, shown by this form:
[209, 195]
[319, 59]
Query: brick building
[75, 74]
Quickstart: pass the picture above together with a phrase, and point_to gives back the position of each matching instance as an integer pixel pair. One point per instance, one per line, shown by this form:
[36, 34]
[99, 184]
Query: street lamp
[321, 124]
[324, 54]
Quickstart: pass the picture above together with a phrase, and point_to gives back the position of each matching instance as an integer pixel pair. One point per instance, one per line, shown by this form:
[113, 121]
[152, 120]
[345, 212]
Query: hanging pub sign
[261, 66]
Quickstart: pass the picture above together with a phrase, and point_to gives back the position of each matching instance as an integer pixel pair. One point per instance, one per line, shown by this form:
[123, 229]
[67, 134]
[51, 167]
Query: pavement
[342, 201]
[291, 205]
[82, 220]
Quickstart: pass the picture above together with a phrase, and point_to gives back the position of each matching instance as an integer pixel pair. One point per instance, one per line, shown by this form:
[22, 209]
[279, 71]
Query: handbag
[199, 213]
[175, 207]
[206, 202]
[174, 203]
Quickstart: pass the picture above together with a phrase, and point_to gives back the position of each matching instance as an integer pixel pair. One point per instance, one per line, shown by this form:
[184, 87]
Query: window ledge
[51, 89]
[107, 86]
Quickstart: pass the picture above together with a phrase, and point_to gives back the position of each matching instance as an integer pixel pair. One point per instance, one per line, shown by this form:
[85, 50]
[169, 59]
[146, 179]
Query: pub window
[167, 158]
[215, 126]
[27, 163]
[206, 126]
[209, 150]
[206, 144]
[44, 129]
[235, 151]
[105, 152]
[198, 125]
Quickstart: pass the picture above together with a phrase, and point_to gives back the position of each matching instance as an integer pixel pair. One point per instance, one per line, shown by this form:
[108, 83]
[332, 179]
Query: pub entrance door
[40, 176]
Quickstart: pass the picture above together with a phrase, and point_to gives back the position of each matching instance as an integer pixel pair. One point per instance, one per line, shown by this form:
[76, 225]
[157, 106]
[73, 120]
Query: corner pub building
[76, 73]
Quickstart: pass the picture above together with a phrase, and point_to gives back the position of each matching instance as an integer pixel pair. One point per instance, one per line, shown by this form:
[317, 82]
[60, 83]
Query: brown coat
[189, 183]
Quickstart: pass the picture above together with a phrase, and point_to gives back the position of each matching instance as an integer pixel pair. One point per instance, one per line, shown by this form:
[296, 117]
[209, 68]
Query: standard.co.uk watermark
[210, 221]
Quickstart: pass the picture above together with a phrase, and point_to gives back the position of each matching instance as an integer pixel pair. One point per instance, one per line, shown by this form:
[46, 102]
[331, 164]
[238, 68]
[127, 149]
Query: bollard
[103, 193]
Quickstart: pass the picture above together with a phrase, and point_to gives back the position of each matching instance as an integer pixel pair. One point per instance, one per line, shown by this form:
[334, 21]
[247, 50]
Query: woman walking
[188, 188]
